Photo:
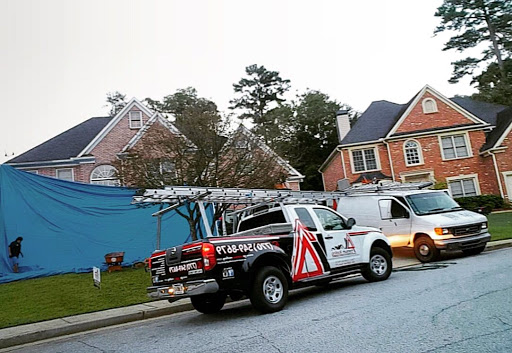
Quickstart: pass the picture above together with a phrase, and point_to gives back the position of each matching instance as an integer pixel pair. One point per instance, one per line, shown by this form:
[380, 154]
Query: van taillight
[160, 253]
[209, 259]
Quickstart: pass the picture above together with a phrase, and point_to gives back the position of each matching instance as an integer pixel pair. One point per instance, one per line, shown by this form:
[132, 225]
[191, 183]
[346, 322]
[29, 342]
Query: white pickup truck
[275, 249]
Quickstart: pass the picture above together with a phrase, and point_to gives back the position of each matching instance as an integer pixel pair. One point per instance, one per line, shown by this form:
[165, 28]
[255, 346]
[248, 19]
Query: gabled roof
[66, 145]
[498, 134]
[293, 174]
[374, 123]
[162, 120]
[94, 142]
[382, 117]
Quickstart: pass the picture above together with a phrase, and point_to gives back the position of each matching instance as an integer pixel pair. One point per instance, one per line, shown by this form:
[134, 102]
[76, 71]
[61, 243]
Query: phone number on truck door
[242, 248]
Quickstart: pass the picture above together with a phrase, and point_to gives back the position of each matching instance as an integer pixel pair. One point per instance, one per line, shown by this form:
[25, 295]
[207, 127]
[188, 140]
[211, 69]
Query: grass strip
[500, 225]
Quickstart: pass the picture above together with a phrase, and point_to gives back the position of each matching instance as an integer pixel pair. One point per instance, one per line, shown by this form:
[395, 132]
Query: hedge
[482, 203]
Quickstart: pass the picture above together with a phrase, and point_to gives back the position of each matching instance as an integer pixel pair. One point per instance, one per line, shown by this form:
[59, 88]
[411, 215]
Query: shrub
[482, 203]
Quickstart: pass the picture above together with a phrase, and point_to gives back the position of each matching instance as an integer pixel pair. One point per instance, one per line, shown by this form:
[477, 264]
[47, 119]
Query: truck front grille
[466, 230]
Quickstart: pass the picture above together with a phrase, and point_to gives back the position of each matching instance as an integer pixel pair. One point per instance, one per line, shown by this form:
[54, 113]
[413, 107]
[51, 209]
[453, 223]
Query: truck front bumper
[463, 243]
[183, 290]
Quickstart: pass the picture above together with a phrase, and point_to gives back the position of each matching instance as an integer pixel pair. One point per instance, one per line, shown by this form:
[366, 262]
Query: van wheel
[380, 266]
[474, 251]
[208, 303]
[269, 291]
[425, 250]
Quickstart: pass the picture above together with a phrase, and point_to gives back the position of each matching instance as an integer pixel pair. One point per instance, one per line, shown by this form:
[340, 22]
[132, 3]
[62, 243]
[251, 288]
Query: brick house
[461, 142]
[85, 152]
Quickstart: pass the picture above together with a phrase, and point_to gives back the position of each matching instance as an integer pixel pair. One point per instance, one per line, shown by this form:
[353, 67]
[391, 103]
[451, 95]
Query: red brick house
[461, 142]
[85, 153]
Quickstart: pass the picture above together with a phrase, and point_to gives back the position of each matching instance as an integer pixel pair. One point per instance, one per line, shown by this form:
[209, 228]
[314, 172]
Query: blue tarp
[69, 227]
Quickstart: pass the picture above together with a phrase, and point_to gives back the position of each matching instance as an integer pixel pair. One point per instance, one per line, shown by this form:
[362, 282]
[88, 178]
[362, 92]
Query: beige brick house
[464, 143]
[85, 153]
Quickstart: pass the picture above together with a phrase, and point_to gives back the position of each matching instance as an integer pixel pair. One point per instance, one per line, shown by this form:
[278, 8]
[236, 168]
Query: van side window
[390, 208]
[398, 211]
[305, 218]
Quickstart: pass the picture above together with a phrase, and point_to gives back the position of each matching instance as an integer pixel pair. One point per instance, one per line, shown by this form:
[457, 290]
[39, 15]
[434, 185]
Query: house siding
[332, 173]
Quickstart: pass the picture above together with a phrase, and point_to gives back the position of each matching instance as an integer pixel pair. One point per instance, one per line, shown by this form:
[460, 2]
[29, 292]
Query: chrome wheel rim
[378, 265]
[273, 289]
[424, 250]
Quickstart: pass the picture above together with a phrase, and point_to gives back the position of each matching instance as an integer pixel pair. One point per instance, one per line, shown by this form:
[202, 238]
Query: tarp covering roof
[70, 227]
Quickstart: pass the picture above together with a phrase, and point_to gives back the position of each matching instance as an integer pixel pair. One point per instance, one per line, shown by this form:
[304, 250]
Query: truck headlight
[484, 225]
[442, 231]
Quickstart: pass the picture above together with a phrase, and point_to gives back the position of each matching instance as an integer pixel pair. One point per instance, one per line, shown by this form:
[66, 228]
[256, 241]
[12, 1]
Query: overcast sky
[60, 58]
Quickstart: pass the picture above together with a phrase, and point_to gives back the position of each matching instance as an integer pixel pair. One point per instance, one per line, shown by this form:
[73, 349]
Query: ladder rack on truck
[370, 188]
[176, 196]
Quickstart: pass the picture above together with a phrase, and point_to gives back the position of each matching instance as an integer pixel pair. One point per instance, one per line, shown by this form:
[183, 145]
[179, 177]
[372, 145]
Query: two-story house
[86, 152]
[461, 142]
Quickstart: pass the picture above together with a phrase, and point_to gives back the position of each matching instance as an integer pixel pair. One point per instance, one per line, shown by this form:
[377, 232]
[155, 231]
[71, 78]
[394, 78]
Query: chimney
[342, 124]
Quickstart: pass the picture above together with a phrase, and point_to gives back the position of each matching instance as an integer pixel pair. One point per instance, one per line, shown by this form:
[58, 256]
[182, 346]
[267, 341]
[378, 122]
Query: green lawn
[57, 296]
[500, 225]
[52, 297]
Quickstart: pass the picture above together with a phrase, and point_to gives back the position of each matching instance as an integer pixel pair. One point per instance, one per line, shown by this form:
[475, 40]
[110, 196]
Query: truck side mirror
[350, 223]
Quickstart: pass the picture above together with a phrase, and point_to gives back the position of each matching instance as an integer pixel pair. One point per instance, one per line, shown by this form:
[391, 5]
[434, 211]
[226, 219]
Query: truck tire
[269, 291]
[380, 265]
[474, 251]
[425, 250]
[208, 303]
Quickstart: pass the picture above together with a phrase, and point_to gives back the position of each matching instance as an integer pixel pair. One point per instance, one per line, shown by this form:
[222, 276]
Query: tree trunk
[496, 49]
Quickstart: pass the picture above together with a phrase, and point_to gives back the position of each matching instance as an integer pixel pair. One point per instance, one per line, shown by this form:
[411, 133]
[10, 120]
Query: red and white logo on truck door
[305, 259]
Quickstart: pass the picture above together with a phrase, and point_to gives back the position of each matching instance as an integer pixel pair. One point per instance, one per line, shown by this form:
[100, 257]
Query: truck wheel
[474, 251]
[425, 250]
[269, 291]
[208, 303]
[380, 265]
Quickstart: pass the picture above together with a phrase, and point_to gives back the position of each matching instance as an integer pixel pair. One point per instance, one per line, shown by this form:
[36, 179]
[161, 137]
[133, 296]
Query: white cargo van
[427, 220]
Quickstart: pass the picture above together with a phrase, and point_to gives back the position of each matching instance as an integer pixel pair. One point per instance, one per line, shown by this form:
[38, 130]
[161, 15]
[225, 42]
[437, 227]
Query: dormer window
[135, 119]
[429, 106]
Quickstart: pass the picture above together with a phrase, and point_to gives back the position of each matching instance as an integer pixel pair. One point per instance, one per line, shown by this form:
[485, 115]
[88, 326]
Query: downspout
[342, 162]
[390, 160]
[497, 174]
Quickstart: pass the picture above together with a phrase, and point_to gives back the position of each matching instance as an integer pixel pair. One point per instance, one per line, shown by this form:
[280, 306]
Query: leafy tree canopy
[257, 94]
[492, 87]
[477, 22]
[116, 102]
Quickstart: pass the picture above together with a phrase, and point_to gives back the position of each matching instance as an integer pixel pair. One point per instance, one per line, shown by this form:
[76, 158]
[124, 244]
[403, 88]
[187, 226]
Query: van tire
[425, 250]
[208, 303]
[379, 267]
[269, 290]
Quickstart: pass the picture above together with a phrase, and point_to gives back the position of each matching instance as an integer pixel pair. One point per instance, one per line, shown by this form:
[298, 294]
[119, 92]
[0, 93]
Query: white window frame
[377, 159]
[61, 169]
[509, 191]
[464, 177]
[134, 120]
[420, 153]
[425, 106]
[98, 181]
[466, 140]
[405, 175]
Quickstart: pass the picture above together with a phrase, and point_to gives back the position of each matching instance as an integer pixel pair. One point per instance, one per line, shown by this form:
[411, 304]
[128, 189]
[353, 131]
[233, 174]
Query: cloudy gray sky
[60, 57]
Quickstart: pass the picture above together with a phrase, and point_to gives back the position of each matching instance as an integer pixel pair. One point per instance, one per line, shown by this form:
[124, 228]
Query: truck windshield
[432, 202]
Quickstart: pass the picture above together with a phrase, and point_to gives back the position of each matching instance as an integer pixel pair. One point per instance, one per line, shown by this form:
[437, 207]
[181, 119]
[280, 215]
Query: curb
[18, 335]
[29, 333]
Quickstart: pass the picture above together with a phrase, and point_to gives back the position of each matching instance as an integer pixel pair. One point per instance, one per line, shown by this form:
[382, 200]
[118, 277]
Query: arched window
[429, 106]
[104, 175]
[412, 153]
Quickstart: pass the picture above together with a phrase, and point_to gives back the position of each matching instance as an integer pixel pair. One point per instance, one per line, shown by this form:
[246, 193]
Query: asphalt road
[461, 304]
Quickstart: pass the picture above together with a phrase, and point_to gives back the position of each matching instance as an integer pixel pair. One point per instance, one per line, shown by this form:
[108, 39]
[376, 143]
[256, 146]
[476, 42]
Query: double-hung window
[454, 146]
[364, 160]
[463, 187]
[64, 174]
[135, 119]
